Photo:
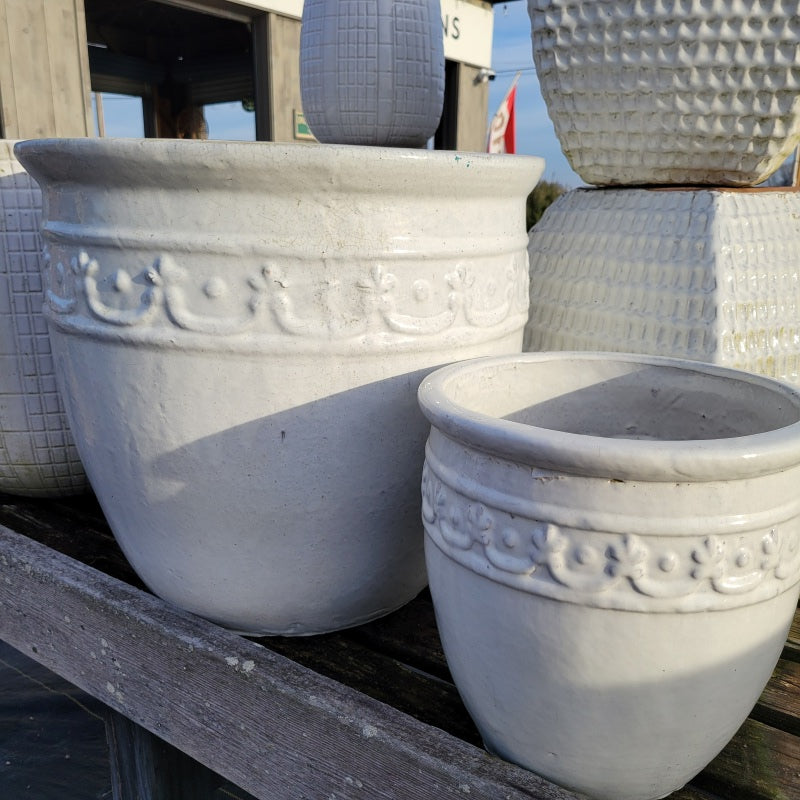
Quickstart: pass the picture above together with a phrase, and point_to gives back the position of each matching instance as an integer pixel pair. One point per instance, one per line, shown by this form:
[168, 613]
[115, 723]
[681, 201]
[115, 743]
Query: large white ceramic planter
[670, 92]
[37, 454]
[701, 274]
[372, 72]
[613, 549]
[240, 329]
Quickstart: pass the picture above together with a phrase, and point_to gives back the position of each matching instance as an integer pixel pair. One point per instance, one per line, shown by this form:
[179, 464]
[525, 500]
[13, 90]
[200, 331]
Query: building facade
[189, 54]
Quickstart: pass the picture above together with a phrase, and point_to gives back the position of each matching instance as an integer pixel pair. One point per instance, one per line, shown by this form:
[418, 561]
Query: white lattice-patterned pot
[613, 550]
[700, 274]
[37, 454]
[372, 72]
[242, 327]
[670, 92]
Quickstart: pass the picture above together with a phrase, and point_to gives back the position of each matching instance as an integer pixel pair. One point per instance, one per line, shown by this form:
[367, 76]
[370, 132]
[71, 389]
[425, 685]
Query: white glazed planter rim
[355, 168]
[661, 461]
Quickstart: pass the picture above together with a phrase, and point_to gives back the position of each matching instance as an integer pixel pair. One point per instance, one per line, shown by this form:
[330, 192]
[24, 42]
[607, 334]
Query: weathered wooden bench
[195, 711]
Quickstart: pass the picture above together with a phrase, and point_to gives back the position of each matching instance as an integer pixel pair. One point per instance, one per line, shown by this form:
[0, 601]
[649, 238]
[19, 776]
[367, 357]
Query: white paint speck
[464, 788]
[248, 666]
[368, 731]
[112, 690]
[232, 661]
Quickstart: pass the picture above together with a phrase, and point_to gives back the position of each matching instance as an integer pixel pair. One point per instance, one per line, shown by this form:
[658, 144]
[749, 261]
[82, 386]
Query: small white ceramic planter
[700, 274]
[37, 455]
[372, 73]
[240, 329]
[613, 550]
[670, 92]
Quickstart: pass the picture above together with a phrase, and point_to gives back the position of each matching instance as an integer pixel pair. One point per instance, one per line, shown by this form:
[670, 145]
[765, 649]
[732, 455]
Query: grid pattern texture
[704, 275]
[670, 91]
[372, 71]
[37, 454]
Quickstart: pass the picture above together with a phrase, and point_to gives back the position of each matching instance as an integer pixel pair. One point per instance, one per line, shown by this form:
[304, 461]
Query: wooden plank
[693, 793]
[410, 635]
[760, 763]
[269, 725]
[432, 701]
[792, 649]
[375, 658]
[779, 705]
[72, 526]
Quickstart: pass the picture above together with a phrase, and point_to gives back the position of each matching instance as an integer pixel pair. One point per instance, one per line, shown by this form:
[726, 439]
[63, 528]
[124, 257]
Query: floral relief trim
[611, 570]
[270, 301]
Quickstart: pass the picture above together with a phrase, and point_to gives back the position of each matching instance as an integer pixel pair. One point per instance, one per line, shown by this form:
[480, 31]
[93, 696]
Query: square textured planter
[709, 275]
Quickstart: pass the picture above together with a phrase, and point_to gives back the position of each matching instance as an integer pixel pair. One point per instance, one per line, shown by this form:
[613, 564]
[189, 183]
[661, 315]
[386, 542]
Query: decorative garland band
[607, 521]
[273, 312]
[443, 348]
[623, 570]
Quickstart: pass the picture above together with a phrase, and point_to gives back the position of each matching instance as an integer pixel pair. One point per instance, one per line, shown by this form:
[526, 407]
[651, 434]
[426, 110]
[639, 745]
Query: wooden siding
[44, 69]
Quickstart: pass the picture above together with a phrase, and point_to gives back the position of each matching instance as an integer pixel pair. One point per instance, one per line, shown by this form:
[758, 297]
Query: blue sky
[511, 52]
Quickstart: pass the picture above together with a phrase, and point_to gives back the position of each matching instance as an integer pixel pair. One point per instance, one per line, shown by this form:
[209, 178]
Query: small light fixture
[484, 75]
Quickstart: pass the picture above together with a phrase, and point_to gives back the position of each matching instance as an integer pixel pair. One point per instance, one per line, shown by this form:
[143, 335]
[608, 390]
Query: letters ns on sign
[451, 26]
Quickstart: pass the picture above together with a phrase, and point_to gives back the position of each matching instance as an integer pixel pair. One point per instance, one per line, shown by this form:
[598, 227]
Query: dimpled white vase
[613, 550]
[37, 454]
[705, 274]
[241, 328]
[372, 71]
[670, 91]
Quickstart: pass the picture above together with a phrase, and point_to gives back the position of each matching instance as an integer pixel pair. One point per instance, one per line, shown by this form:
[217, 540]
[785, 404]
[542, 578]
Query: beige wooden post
[276, 40]
[473, 106]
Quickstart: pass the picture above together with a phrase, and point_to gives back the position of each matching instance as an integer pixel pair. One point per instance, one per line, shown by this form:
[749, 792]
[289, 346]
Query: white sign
[467, 28]
[468, 31]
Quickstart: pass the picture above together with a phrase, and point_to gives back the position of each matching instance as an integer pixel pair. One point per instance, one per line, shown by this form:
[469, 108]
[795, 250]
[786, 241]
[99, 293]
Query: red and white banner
[503, 130]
